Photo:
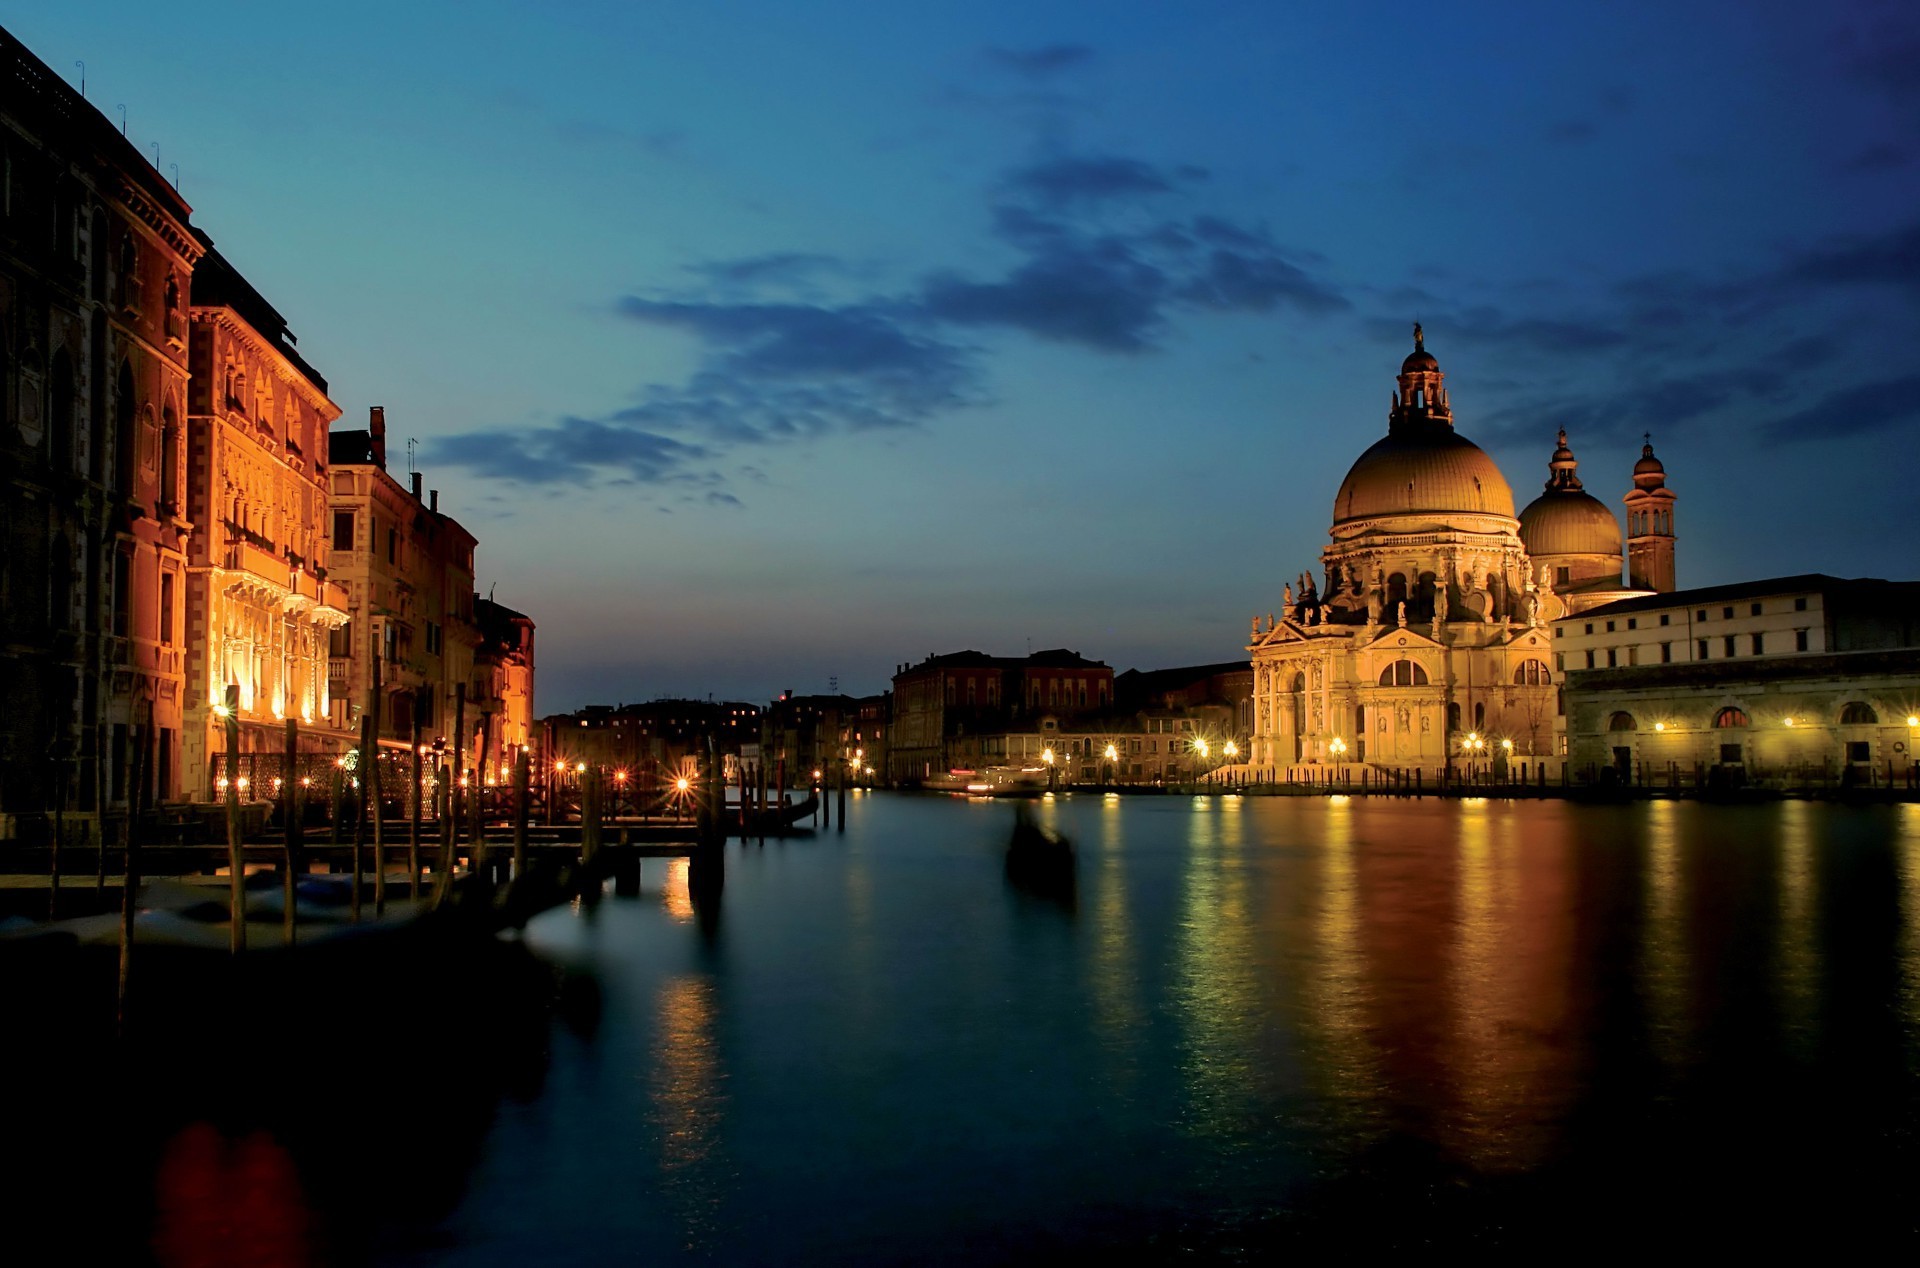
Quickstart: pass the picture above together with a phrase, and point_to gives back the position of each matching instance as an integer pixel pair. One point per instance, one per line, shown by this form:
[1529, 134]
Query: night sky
[765, 343]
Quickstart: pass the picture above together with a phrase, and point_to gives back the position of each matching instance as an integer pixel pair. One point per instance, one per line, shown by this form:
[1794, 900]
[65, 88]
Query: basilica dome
[1566, 519]
[1423, 469]
[1422, 466]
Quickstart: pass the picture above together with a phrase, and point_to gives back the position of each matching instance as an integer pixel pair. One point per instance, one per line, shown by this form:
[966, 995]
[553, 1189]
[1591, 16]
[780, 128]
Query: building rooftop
[1818, 582]
[217, 284]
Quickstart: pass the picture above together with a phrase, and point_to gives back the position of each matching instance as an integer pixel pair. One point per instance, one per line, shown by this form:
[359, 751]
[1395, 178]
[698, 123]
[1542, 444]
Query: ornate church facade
[1430, 643]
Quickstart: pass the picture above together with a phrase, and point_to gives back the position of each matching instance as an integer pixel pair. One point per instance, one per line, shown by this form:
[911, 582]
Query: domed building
[1430, 636]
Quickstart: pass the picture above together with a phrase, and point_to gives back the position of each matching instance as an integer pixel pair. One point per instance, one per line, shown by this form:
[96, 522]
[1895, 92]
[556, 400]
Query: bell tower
[1650, 525]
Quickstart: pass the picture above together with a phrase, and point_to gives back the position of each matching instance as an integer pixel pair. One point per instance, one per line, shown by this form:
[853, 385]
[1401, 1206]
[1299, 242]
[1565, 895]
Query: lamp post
[1047, 757]
[1337, 750]
[1113, 764]
[1506, 760]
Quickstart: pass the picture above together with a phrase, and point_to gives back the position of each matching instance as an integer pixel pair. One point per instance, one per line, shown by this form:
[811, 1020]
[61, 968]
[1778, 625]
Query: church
[1425, 644]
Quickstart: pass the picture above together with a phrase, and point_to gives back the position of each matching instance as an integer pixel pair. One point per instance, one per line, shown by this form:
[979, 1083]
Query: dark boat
[1038, 858]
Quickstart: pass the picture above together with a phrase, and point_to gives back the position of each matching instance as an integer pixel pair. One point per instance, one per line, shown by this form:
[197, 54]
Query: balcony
[336, 669]
[257, 561]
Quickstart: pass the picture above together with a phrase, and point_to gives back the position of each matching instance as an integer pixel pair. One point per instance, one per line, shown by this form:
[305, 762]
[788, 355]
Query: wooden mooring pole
[236, 858]
[360, 808]
[478, 797]
[589, 815]
[290, 809]
[413, 804]
[373, 780]
[520, 780]
[130, 890]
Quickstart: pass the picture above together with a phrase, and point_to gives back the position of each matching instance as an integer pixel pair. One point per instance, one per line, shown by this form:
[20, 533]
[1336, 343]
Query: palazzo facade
[1426, 643]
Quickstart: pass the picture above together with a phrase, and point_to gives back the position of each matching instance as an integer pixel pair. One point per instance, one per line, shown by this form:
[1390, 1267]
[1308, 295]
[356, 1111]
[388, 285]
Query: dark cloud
[1886, 259]
[1102, 297]
[1101, 264]
[570, 451]
[1043, 62]
[1245, 282]
[1852, 411]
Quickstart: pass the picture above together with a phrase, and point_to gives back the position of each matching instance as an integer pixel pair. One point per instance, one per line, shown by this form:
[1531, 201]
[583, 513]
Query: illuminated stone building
[408, 574]
[1799, 679]
[504, 673]
[1428, 632]
[261, 604]
[95, 263]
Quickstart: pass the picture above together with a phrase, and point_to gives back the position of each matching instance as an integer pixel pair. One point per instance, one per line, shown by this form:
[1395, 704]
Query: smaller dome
[1648, 473]
[1569, 522]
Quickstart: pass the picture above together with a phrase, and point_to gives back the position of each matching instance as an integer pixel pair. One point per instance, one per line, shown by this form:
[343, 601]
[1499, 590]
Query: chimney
[377, 428]
[433, 500]
[416, 484]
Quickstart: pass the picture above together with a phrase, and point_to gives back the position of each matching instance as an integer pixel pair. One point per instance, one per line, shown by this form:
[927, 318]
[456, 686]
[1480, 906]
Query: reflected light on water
[675, 896]
[1797, 973]
[1907, 862]
[1219, 993]
[1666, 967]
[688, 1106]
[221, 1201]
[1509, 978]
[1337, 993]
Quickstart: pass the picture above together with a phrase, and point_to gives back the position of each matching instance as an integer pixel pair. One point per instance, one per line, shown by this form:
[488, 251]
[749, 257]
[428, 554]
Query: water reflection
[1907, 864]
[688, 1106]
[1219, 991]
[1512, 922]
[1665, 964]
[1797, 968]
[1337, 994]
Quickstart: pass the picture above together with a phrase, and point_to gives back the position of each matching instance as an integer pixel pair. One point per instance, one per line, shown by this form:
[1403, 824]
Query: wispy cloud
[1110, 253]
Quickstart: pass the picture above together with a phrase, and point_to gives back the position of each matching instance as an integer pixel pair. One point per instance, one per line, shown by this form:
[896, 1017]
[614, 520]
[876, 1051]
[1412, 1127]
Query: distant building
[408, 572]
[969, 708]
[1790, 676]
[503, 670]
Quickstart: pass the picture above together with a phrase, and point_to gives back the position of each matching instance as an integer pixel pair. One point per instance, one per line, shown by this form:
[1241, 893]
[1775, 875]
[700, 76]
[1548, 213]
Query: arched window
[1858, 713]
[1621, 721]
[1730, 717]
[1403, 673]
[1532, 673]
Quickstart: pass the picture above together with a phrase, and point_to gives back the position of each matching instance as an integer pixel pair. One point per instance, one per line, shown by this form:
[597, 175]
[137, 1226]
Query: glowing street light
[682, 784]
[1230, 749]
[1337, 747]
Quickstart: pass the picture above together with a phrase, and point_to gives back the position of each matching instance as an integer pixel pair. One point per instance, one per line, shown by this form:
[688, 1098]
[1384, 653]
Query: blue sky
[763, 344]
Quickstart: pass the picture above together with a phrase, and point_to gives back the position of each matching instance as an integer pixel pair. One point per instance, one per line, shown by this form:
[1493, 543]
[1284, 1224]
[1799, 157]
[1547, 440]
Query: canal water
[1256, 1024]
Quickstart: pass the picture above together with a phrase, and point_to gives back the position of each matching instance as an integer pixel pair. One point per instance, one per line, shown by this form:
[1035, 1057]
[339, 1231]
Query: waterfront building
[969, 708]
[408, 574]
[1426, 635]
[261, 606]
[96, 258]
[503, 661]
[1808, 677]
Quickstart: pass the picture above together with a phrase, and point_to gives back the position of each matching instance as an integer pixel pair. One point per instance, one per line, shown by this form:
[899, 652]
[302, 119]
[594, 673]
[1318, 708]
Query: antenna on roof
[83, 79]
[412, 443]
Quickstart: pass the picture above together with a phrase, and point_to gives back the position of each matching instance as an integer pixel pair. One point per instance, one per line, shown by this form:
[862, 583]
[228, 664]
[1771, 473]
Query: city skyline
[758, 349]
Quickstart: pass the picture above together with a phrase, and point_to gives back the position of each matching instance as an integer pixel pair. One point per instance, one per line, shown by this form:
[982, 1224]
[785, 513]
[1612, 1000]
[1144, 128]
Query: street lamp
[1337, 747]
[1113, 763]
[1047, 757]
